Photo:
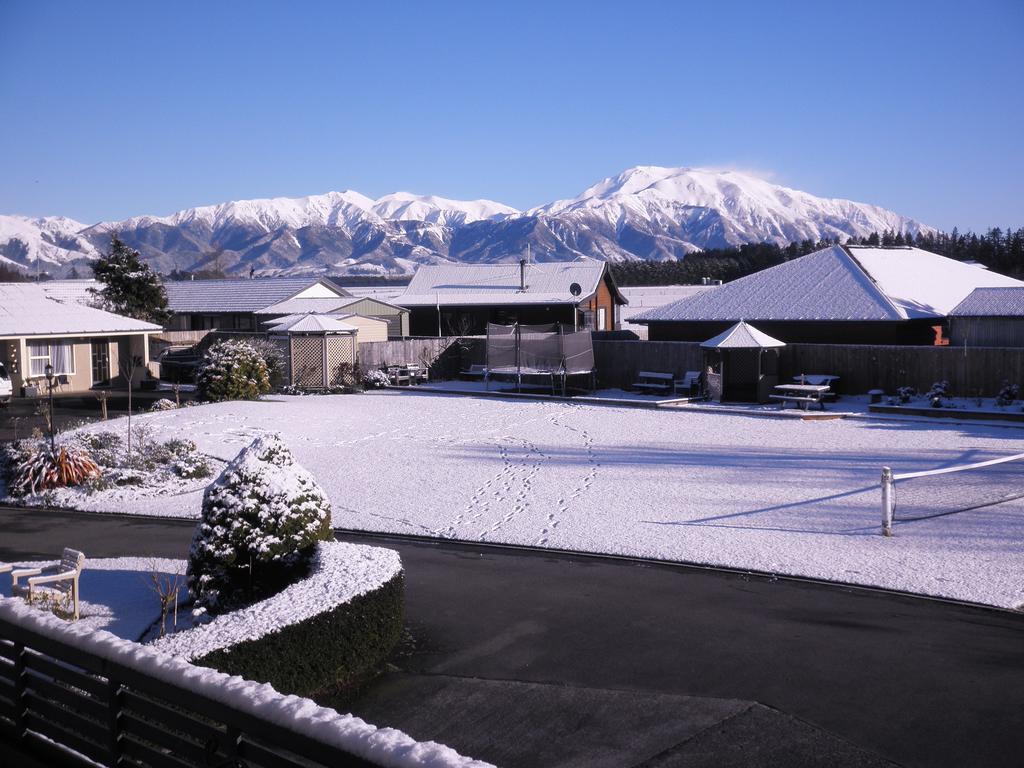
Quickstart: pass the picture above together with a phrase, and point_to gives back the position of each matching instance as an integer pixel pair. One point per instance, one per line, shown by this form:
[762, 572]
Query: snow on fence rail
[85, 694]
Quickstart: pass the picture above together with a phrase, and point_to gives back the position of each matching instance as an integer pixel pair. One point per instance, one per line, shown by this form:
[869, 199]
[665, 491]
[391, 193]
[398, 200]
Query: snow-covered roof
[240, 295]
[473, 284]
[840, 283]
[311, 323]
[742, 336]
[27, 310]
[301, 305]
[991, 302]
[71, 290]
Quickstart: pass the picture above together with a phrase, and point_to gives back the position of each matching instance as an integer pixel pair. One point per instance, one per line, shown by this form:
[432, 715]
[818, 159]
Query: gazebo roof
[742, 336]
[311, 323]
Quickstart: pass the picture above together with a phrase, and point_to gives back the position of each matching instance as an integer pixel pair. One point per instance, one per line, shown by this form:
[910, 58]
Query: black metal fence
[56, 697]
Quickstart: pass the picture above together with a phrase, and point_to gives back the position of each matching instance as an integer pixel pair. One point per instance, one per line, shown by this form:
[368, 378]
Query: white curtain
[38, 357]
[62, 355]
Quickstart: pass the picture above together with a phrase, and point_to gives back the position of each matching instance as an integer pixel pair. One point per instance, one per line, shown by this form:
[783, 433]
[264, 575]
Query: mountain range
[646, 212]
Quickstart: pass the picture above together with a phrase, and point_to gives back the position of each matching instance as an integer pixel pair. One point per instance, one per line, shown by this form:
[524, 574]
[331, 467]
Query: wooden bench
[61, 578]
[397, 375]
[417, 374]
[802, 395]
[653, 381]
[687, 383]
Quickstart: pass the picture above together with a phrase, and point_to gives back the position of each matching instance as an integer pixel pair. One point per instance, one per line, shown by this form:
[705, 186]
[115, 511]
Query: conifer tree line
[998, 249]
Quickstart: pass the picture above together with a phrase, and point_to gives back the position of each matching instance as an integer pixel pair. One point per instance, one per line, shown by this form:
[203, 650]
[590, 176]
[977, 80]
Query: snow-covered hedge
[325, 631]
[232, 370]
[381, 746]
[260, 523]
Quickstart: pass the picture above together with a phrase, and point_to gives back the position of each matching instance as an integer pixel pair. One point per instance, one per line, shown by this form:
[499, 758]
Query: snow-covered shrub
[261, 520]
[274, 357]
[163, 404]
[905, 394]
[935, 395]
[105, 447]
[42, 469]
[232, 370]
[375, 379]
[1007, 394]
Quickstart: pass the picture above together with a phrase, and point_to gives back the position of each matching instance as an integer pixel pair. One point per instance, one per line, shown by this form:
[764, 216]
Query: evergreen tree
[129, 286]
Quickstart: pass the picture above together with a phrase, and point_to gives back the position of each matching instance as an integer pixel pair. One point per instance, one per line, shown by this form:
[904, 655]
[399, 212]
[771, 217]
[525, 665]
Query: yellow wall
[15, 351]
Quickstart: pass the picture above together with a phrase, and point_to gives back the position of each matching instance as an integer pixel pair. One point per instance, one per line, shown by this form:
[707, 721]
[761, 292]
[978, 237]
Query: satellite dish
[575, 289]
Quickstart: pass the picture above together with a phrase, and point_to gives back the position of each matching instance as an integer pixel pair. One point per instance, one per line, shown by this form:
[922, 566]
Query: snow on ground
[691, 484]
[116, 593]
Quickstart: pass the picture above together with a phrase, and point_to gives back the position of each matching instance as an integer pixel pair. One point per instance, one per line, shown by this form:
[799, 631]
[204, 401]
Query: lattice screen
[307, 361]
[341, 350]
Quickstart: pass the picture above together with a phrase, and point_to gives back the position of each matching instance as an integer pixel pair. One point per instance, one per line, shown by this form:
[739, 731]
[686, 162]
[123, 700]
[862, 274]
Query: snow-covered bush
[274, 357]
[939, 391]
[375, 379]
[905, 394]
[42, 469]
[105, 447]
[1007, 394]
[163, 404]
[261, 520]
[232, 370]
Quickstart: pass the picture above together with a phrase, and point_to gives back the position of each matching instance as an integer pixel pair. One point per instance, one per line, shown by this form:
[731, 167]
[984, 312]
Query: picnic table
[802, 395]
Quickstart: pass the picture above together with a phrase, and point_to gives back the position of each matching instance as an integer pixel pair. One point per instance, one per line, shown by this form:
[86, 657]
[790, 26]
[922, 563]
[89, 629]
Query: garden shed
[321, 350]
[741, 364]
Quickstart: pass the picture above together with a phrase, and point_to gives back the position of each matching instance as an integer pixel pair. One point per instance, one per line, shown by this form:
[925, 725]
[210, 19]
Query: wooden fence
[970, 372]
[444, 356]
[54, 693]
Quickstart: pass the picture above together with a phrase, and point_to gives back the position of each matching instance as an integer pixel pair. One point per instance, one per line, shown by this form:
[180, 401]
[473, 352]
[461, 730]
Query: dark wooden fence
[970, 372]
[52, 692]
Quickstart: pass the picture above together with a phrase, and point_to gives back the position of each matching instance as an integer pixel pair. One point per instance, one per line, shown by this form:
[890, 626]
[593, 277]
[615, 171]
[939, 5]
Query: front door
[100, 362]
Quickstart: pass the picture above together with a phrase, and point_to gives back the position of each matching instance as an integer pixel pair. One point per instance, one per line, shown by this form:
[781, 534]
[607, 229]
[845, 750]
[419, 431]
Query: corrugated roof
[27, 310]
[825, 285]
[472, 284]
[840, 283]
[991, 302]
[742, 336]
[311, 324]
[237, 295]
[322, 305]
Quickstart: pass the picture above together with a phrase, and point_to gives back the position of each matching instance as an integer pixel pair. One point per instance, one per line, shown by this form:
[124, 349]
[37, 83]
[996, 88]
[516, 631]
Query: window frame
[48, 357]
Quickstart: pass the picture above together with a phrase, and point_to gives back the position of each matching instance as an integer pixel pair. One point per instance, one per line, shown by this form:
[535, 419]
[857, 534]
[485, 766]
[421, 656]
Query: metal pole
[886, 501]
[49, 386]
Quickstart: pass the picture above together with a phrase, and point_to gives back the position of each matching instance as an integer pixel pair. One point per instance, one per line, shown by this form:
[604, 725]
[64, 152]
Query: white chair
[62, 578]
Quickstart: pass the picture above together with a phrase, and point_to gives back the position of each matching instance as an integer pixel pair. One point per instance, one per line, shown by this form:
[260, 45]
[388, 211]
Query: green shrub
[332, 651]
[232, 370]
[261, 520]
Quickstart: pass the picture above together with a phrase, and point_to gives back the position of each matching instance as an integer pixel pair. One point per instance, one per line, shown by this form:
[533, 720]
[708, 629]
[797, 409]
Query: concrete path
[554, 648]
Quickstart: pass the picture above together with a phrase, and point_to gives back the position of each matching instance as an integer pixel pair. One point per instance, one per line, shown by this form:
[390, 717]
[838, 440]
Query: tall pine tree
[129, 286]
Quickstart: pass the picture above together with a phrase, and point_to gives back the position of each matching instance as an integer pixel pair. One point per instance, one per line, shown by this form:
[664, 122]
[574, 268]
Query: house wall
[472, 321]
[906, 332]
[603, 300]
[986, 331]
[370, 328]
[396, 317]
[15, 355]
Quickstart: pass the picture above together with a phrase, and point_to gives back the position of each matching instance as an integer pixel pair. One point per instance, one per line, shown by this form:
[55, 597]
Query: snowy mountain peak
[404, 206]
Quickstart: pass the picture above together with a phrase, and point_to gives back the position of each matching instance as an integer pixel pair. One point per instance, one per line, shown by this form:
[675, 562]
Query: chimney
[522, 275]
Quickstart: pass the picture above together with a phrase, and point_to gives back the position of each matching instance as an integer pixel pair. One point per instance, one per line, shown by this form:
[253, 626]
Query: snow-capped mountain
[645, 212]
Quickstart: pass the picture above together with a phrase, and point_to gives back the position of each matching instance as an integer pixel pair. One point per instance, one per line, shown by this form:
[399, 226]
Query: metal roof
[839, 284]
[742, 336]
[238, 295]
[479, 284]
[321, 305]
[991, 302]
[27, 310]
[311, 324]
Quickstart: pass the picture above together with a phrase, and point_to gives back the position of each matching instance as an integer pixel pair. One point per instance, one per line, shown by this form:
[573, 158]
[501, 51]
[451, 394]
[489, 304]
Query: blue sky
[111, 109]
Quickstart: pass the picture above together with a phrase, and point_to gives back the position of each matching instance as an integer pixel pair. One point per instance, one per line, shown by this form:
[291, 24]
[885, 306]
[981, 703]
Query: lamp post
[49, 387]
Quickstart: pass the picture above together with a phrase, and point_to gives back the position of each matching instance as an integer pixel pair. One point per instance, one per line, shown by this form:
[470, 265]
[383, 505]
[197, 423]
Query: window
[60, 354]
[601, 314]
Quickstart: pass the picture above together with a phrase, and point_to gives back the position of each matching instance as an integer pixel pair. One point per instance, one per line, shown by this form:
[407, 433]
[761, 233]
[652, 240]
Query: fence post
[886, 501]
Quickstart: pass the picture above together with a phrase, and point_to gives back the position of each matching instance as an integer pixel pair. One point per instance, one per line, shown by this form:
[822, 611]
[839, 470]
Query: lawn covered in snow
[778, 495]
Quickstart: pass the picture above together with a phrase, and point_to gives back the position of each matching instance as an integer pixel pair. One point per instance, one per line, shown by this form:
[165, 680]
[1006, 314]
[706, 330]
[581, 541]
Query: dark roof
[237, 295]
[991, 302]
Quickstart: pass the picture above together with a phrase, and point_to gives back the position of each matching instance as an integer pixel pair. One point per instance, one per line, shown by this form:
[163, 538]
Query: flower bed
[322, 632]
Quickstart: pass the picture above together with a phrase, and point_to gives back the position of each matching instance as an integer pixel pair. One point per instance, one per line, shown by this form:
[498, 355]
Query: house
[460, 299]
[85, 346]
[644, 298]
[394, 317]
[989, 317]
[838, 295]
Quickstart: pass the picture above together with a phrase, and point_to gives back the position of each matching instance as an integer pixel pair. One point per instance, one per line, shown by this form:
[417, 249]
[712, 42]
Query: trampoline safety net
[552, 349]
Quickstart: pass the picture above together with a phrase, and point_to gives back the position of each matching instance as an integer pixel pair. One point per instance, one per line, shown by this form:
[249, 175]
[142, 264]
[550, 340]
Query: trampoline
[551, 352]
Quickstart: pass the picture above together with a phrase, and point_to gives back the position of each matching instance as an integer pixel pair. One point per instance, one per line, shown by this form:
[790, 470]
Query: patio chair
[61, 578]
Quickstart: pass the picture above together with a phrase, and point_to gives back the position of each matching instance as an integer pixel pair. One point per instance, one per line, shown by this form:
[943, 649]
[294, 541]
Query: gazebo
[741, 364]
[321, 349]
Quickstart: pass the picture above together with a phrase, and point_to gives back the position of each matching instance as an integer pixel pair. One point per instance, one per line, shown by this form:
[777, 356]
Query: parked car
[6, 388]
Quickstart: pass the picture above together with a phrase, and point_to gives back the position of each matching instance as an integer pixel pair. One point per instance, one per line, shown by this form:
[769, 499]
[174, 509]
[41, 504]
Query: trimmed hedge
[330, 651]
